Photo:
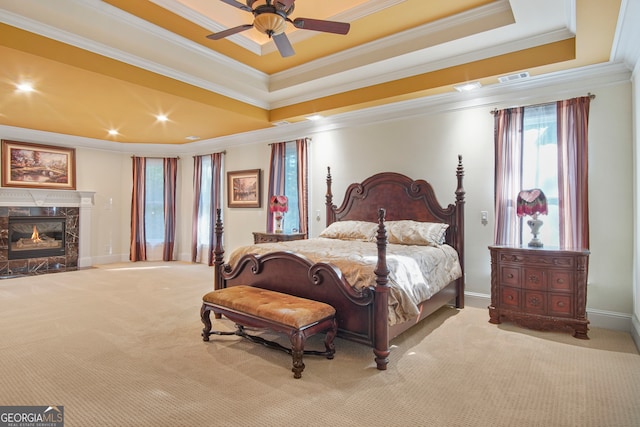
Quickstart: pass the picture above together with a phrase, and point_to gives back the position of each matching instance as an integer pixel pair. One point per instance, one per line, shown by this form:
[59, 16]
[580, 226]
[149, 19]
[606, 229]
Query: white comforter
[416, 272]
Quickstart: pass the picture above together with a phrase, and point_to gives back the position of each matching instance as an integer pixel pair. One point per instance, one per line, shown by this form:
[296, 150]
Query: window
[288, 176]
[154, 202]
[204, 205]
[546, 147]
[153, 209]
[207, 175]
[291, 221]
[540, 167]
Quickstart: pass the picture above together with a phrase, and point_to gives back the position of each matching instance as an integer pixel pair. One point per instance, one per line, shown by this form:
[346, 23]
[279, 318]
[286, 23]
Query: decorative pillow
[351, 230]
[408, 232]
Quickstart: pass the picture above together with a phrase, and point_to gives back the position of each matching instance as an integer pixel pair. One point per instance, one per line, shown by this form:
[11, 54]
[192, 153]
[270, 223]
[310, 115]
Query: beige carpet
[120, 345]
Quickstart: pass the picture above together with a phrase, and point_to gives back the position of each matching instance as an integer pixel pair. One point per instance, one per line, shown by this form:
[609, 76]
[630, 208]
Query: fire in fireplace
[34, 237]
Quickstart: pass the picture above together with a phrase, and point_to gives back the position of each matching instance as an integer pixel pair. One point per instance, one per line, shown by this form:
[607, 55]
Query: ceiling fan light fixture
[270, 23]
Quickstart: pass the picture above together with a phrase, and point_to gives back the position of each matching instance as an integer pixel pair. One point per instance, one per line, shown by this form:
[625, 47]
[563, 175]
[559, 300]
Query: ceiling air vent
[513, 77]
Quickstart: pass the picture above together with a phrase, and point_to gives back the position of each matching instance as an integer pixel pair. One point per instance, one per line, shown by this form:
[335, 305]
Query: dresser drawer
[560, 280]
[535, 302]
[534, 278]
[510, 297]
[560, 305]
[510, 276]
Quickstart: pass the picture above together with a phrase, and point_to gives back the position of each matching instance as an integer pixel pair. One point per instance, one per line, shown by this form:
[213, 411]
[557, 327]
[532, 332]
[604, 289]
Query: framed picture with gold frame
[28, 165]
[244, 189]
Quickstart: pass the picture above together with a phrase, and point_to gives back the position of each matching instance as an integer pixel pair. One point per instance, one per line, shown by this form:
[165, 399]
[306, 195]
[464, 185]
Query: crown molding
[379, 73]
[546, 88]
[533, 90]
[625, 46]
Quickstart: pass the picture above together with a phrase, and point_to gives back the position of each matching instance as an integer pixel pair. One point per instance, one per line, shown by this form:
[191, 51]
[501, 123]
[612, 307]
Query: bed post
[331, 213]
[381, 303]
[218, 253]
[460, 230]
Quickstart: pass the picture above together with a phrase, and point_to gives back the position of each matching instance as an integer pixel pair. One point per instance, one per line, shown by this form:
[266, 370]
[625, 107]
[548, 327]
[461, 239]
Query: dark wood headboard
[402, 198]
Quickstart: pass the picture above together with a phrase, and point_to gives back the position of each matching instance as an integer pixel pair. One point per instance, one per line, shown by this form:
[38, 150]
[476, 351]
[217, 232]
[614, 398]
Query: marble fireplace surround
[76, 205]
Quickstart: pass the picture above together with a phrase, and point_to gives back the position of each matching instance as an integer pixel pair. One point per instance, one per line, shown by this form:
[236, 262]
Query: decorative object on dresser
[544, 289]
[259, 237]
[278, 205]
[533, 202]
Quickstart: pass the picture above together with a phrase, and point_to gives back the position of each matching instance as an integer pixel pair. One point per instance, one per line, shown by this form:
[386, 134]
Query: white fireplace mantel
[31, 197]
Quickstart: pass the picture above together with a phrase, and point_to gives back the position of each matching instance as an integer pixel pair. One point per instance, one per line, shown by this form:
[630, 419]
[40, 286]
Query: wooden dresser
[540, 288]
[259, 237]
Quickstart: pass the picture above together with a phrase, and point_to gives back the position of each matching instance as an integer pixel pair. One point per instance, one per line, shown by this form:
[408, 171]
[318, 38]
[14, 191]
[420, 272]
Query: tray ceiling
[117, 64]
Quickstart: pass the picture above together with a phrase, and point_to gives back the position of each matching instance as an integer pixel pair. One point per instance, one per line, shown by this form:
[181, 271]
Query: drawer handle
[560, 304]
[510, 275]
[510, 297]
[534, 301]
[561, 281]
[534, 279]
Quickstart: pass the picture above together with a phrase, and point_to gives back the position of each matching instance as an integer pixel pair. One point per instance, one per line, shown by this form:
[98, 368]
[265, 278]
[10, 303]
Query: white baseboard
[597, 318]
[106, 259]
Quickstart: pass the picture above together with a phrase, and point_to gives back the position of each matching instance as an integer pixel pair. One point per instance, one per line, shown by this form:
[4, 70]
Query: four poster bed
[382, 222]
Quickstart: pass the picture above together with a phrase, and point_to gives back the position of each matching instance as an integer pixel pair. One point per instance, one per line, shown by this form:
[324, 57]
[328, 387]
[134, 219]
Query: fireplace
[36, 237]
[56, 216]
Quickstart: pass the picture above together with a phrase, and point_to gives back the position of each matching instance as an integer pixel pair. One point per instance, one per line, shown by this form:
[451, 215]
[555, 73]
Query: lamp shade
[531, 202]
[278, 203]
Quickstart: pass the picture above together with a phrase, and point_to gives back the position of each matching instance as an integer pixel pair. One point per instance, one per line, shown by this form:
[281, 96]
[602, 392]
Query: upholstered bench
[258, 308]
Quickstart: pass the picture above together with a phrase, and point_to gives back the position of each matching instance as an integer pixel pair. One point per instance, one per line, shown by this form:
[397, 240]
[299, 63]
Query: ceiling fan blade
[237, 4]
[320, 25]
[228, 32]
[284, 4]
[284, 45]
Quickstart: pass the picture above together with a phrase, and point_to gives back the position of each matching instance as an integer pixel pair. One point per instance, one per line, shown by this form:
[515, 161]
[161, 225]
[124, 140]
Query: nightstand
[259, 237]
[540, 288]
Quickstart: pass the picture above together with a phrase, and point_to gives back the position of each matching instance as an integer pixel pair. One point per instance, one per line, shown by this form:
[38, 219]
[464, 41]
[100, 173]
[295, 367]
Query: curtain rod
[307, 138]
[217, 152]
[589, 94]
[151, 157]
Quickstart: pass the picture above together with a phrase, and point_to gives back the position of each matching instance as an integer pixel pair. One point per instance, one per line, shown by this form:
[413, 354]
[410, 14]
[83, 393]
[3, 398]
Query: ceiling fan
[271, 17]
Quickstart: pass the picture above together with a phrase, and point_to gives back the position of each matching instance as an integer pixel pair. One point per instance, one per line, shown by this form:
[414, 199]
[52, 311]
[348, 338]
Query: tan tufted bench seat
[253, 307]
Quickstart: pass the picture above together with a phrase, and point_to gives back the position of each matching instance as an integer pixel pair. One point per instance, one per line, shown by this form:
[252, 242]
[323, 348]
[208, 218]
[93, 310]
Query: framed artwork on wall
[28, 165]
[243, 189]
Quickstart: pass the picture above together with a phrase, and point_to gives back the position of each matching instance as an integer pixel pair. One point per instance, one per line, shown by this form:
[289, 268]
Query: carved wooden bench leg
[328, 340]
[297, 350]
[205, 311]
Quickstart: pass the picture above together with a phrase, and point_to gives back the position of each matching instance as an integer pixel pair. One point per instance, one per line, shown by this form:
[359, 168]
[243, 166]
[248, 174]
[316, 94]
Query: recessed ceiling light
[315, 117]
[113, 132]
[192, 138]
[466, 87]
[162, 118]
[25, 87]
